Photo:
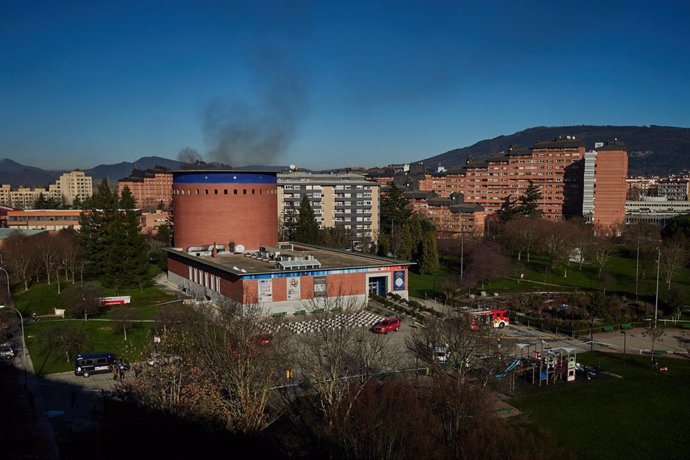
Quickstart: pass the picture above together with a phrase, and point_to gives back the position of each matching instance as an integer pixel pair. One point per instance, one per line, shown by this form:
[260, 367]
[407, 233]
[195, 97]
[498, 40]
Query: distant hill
[652, 150]
[121, 170]
[17, 175]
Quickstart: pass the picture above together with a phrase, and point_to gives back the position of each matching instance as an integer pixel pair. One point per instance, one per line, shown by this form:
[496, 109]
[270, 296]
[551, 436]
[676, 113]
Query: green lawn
[618, 276]
[42, 298]
[643, 415]
[100, 337]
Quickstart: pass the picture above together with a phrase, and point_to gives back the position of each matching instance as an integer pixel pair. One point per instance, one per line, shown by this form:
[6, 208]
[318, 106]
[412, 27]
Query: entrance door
[377, 285]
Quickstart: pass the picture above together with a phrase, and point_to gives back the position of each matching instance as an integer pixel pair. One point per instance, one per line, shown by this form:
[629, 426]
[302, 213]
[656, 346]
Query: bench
[607, 329]
[626, 326]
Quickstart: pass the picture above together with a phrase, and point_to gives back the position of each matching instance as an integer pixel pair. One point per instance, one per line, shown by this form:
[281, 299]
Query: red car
[385, 325]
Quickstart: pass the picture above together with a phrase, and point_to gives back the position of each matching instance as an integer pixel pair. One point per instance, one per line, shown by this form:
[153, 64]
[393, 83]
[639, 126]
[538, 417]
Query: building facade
[233, 208]
[604, 186]
[555, 167]
[654, 209]
[452, 218]
[68, 188]
[342, 200]
[225, 246]
[151, 188]
[74, 185]
[44, 219]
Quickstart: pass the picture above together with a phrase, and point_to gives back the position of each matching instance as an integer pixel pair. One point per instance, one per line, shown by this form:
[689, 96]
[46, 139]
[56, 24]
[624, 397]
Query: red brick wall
[206, 215]
[610, 189]
[346, 284]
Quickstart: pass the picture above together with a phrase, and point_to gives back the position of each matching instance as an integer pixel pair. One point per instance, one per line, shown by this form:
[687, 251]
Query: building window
[244, 191]
[234, 192]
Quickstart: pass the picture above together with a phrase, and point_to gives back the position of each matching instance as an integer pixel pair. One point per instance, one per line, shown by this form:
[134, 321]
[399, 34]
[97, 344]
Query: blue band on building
[224, 178]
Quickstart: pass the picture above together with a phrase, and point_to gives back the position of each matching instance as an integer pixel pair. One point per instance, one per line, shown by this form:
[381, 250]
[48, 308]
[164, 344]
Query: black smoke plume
[241, 134]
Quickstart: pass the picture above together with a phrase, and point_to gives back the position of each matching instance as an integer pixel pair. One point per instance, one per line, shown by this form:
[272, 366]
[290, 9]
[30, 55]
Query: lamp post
[656, 302]
[26, 362]
[625, 339]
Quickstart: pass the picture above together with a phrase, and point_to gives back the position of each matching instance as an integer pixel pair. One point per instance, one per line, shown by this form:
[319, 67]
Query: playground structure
[541, 366]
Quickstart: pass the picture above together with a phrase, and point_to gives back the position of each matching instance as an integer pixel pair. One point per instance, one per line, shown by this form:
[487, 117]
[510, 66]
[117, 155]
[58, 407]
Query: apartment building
[74, 185]
[557, 167]
[150, 187]
[66, 189]
[345, 200]
[674, 188]
[452, 217]
[604, 186]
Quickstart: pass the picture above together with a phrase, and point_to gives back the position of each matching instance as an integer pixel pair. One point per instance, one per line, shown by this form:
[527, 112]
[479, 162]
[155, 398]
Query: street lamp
[656, 301]
[26, 362]
[625, 339]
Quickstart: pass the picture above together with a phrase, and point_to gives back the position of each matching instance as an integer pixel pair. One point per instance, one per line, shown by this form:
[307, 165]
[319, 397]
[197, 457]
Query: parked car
[386, 325]
[6, 352]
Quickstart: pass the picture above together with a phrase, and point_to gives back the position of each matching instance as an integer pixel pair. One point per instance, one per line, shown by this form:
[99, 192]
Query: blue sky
[324, 84]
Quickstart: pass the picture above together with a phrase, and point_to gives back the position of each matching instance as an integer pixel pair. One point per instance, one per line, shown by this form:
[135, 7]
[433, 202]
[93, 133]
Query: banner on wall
[265, 290]
[293, 288]
[399, 280]
[320, 286]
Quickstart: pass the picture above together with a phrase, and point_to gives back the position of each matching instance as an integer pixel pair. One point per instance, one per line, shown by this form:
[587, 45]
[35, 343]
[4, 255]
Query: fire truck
[488, 317]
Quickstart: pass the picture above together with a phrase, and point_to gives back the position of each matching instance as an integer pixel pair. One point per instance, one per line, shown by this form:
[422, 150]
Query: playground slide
[509, 369]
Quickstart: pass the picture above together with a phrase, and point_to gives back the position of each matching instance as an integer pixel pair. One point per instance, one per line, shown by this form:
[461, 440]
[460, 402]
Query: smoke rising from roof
[188, 155]
[239, 133]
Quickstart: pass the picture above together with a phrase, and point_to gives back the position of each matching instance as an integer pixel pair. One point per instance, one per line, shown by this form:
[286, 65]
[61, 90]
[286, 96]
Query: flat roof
[7, 232]
[330, 259]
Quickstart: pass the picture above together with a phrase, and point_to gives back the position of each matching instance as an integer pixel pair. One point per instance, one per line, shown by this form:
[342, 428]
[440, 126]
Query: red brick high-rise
[554, 166]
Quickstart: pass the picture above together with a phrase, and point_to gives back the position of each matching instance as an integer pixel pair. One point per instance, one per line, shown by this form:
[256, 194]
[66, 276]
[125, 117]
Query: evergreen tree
[77, 203]
[134, 266]
[428, 261]
[526, 205]
[394, 209]
[529, 201]
[99, 213]
[110, 235]
[406, 244]
[306, 228]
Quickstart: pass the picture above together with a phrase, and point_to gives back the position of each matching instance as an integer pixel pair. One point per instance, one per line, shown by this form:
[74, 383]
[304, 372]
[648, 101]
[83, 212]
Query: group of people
[120, 368]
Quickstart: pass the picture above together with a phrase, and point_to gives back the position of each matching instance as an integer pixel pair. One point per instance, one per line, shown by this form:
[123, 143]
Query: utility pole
[656, 302]
[637, 267]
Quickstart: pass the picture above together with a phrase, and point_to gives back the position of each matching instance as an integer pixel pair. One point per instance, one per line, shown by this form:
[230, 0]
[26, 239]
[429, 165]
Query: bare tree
[602, 250]
[674, 255]
[64, 339]
[47, 254]
[486, 261]
[83, 301]
[338, 362]
[70, 253]
[20, 256]
[521, 234]
[123, 320]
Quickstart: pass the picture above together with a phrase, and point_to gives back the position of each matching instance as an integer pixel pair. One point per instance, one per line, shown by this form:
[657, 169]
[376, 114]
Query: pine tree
[134, 267]
[429, 261]
[529, 201]
[306, 229]
[99, 212]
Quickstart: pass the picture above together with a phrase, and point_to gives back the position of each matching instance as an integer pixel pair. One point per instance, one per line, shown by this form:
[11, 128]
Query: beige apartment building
[68, 187]
[345, 200]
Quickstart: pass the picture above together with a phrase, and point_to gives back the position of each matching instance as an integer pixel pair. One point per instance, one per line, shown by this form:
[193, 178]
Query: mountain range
[652, 150]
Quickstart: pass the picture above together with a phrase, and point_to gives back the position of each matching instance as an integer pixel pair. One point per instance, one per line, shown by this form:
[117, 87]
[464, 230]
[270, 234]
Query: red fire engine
[493, 317]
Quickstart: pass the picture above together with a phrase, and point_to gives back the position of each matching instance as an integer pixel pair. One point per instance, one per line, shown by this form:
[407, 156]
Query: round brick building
[224, 207]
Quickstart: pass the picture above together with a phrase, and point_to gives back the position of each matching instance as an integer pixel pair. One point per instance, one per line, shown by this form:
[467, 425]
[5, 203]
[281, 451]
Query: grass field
[642, 415]
[618, 277]
[101, 337]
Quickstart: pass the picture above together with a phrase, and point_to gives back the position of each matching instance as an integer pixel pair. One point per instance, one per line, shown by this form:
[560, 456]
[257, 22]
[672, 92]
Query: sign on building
[265, 290]
[293, 288]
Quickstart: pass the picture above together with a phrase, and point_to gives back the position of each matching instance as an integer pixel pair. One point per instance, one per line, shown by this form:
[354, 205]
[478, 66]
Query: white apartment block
[338, 199]
[67, 188]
